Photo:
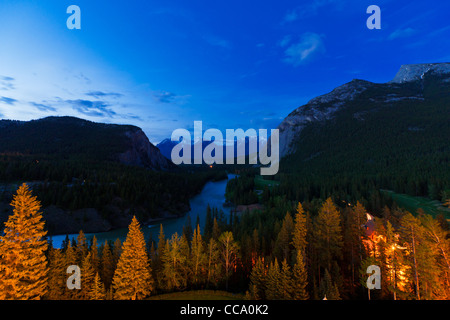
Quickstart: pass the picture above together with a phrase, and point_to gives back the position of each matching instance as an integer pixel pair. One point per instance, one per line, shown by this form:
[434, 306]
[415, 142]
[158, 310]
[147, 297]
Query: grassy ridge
[412, 204]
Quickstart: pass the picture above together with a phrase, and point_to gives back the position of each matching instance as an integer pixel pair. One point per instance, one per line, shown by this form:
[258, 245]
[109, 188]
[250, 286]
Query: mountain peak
[413, 72]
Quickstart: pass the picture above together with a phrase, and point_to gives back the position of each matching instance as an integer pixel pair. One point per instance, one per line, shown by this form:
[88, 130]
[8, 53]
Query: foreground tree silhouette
[132, 278]
[23, 264]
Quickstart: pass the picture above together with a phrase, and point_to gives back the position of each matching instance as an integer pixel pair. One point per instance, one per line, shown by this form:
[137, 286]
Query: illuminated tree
[229, 249]
[273, 289]
[283, 243]
[198, 257]
[173, 263]
[23, 264]
[213, 265]
[132, 279]
[258, 281]
[299, 233]
[328, 238]
[299, 278]
[107, 266]
[57, 275]
[87, 278]
[97, 291]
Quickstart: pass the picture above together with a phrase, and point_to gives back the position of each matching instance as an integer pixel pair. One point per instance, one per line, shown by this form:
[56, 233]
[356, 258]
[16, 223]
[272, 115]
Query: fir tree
[116, 251]
[283, 243]
[258, 281]
[173, 263]
[95, 259]
[97, 291]
[300, 278]
[198, 257]
[328, 236]
[299, 232]
[229, 249]
[328, 288]
[286, 283]
[81, 247]
[57, 275]
[87, 278]
[273, 288]
[23, 264]
[107, 266]
[213, 265]
[132, 279]
[70, 258]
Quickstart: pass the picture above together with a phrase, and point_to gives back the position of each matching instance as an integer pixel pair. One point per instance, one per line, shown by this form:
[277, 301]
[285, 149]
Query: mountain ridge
[70, 136]
[324, 107]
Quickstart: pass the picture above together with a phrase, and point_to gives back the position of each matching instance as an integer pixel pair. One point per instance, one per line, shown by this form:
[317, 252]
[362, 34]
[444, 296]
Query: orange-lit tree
[23, 264]
[132, 278]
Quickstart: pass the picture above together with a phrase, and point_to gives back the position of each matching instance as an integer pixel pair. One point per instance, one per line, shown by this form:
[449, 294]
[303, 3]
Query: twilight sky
[161, 65]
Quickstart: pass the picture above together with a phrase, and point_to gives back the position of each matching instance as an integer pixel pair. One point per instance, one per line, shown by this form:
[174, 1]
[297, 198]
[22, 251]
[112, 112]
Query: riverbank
[212, 194]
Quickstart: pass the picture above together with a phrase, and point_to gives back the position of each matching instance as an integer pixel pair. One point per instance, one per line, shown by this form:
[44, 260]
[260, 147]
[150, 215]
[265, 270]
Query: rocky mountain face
[141, 152]
[407, 85]
[414, 72]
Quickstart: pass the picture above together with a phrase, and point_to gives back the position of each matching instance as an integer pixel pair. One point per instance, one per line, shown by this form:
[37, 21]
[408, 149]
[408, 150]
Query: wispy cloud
[402, 33]
[92, 108]
[285, 41]
[6, 83]
[9, 101]
[43, 107]
[309, 46]
[101, 94]
[165, 96]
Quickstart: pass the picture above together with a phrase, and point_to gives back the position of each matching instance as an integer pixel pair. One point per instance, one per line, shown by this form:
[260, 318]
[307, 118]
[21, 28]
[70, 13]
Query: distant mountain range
[63, 137]
[167, 145]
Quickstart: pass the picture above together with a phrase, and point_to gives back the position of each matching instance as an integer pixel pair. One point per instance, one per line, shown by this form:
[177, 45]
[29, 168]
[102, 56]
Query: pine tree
[300, 279]
[328, 236]
[132, 279]
[258, 281]
[273, 288]
[87, 278]
[229, 249]
[116, 251]
[286, 282]
[198, 257]
[410, 230]
[95, 259]
[23, 264]
[107, 266]
[97, 291]
[438, 241]
[173, 263]
[328, 288]
[57, 275]
[299, 232]
[213, 265]
[160, 252]
[282, 248]
[81, 247]
[354, 233]
[70, 259]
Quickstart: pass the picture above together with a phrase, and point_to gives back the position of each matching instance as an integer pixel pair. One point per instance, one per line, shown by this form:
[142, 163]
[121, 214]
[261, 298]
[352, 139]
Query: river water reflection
[213, 193]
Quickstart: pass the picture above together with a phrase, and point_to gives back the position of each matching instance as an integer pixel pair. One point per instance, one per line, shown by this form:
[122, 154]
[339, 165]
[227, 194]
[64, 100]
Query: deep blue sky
[161, 65]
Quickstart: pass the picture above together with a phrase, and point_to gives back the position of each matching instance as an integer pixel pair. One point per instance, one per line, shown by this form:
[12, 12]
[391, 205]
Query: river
[213, 193]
